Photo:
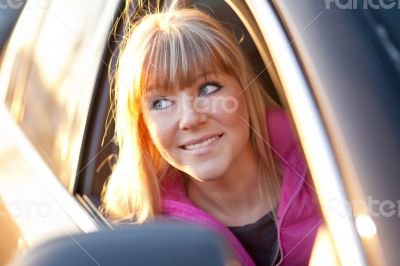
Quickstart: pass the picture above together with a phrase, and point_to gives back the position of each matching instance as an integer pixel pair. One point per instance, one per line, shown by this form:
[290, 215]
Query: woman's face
[199, 129]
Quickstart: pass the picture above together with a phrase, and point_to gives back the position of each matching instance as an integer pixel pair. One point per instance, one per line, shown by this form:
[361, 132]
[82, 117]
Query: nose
[190, 117]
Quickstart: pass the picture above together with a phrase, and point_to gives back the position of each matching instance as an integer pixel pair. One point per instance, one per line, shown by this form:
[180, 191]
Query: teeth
[200, 145]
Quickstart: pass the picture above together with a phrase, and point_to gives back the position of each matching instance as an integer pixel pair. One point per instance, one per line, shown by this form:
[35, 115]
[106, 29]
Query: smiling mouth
[200, 145]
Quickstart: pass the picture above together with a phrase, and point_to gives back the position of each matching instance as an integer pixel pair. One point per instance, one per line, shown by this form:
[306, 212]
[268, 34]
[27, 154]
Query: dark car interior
[99, 152]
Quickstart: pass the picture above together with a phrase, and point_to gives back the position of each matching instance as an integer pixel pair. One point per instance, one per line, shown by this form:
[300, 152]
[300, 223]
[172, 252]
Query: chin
[205, 176]
[205, 179]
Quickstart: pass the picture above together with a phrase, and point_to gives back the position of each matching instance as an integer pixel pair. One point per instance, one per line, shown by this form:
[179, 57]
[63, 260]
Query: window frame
[297, 97]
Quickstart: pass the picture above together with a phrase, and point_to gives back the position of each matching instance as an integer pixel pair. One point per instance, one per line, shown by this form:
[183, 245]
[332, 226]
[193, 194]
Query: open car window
[46, 80]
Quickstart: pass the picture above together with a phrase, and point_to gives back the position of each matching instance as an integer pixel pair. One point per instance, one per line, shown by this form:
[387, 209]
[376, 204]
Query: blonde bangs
[178, 56]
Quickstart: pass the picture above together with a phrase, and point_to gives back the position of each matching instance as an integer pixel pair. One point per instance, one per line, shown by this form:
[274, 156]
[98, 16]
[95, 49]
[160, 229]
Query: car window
[51, 81]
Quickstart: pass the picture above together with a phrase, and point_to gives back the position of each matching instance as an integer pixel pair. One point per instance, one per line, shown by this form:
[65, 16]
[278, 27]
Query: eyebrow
[198, 77]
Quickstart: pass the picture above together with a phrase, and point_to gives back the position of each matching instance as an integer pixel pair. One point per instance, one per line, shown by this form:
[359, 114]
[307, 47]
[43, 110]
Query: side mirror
[149, 244]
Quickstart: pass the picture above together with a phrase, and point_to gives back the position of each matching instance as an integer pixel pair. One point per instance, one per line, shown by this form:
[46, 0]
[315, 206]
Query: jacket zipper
[281, 221]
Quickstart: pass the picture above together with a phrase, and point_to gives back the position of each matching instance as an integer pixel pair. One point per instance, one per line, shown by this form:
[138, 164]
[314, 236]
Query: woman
[201, 141]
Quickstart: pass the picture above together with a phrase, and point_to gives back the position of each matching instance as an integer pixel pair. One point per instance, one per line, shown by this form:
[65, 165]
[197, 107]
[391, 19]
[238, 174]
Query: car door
[339, 72]
[48, 75]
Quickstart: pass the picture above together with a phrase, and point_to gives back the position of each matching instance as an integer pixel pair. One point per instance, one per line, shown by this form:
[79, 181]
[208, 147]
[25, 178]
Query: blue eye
[160, 103]
[209, 88]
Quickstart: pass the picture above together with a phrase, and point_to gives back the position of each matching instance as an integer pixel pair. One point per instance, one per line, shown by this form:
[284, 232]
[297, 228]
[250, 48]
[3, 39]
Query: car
[334, 66]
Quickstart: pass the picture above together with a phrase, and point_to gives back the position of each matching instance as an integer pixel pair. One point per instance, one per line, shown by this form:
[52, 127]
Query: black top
[259, 239]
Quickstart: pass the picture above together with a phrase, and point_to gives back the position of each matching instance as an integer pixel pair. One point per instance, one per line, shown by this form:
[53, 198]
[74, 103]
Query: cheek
[161, 133]
[230, 110]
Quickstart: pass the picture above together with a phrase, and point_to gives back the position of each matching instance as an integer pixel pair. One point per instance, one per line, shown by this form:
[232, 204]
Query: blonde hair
[158, 48]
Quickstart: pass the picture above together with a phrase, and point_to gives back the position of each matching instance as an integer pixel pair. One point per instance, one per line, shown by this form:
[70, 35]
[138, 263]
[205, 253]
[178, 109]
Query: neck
[238, 197]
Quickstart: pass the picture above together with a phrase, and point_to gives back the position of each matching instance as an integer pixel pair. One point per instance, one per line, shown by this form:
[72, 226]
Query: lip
[203, 150]
[199, 140]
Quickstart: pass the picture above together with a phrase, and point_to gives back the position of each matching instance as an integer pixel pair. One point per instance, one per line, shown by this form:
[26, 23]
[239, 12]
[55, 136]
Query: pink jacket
[298, 213]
